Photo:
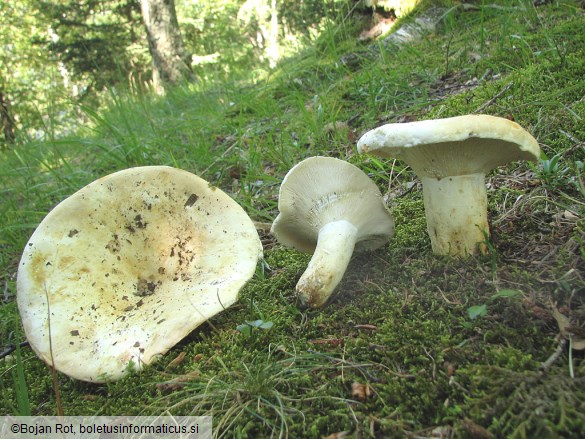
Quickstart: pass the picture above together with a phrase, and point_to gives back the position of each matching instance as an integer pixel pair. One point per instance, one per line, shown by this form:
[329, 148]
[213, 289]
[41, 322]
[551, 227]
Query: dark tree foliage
[94, 39]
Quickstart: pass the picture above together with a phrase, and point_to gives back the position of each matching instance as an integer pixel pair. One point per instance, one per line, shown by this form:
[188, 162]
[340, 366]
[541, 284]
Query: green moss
[529, 404]
[411, 226]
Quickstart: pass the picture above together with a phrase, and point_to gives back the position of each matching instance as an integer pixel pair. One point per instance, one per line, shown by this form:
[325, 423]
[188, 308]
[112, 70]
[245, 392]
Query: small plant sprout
[476, 311]
[329, 207]
[551, 170]
[261, 269]
[451, 157]
[248, 327]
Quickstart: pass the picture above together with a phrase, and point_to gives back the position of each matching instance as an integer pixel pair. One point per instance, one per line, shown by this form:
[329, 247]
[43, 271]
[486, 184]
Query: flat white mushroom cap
[461, 145]
[321, 190]
[131, 264]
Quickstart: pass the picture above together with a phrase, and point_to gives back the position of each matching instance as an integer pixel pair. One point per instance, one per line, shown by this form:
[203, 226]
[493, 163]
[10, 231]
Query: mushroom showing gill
[123, 269]
[451, 157]
[328, 207]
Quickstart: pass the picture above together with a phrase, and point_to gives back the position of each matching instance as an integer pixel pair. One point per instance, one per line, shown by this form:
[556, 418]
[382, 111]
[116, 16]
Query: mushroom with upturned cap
[123, 269]
[328, 207]
[451, 157]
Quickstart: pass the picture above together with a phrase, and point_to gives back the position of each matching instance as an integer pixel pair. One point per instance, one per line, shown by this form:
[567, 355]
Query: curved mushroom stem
[335, 246]
[456, 212]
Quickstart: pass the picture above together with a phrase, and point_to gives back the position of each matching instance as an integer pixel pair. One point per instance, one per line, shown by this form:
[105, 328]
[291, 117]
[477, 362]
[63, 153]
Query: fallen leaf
[562, 321]
[449, 368]
[360, 391]
[177, 360]
[572, 333]
[178, 382]
[475, 430]
[168, 387]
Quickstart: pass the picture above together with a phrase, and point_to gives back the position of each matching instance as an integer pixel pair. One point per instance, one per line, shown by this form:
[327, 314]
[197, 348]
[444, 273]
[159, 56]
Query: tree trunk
[7, 120]
[171, 63]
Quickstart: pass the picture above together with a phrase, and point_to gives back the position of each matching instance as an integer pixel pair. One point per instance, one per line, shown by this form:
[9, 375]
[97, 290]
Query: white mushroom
[451, 157]
[123, 269]
[328, 207]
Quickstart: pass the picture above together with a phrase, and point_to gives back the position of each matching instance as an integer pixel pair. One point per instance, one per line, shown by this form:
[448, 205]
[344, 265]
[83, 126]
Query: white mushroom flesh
[335, 245]
[456, 224]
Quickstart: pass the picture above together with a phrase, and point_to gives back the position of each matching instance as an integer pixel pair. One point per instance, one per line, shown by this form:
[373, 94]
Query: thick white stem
[456, 211]
[334, 249]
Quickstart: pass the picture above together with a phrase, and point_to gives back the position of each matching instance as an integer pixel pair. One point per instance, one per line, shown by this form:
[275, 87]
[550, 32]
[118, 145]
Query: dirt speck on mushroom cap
[148, 262]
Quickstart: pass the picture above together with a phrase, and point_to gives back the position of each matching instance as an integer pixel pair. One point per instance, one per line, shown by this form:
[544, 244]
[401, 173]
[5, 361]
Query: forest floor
[412, 344]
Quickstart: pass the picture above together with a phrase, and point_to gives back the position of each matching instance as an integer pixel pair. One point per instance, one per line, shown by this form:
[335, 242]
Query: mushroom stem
[456, 212]
[335, 246]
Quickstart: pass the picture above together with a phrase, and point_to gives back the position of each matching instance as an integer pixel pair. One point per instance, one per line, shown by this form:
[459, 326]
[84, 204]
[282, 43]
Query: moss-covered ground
[398, 351]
